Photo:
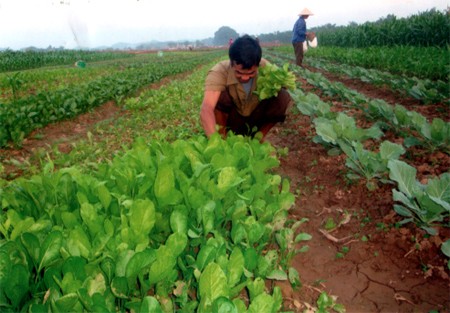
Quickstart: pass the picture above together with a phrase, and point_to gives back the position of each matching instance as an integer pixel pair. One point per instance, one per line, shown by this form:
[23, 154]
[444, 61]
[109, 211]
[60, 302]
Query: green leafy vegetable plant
[426, 205]
[370, 165]
[343, 129]
[327, 303]
[272, 78]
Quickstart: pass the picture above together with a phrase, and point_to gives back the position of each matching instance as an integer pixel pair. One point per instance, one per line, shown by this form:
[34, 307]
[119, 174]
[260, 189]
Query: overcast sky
[92, 23]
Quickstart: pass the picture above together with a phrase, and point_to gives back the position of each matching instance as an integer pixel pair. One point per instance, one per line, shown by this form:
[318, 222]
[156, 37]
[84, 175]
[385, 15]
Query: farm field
[348, 242]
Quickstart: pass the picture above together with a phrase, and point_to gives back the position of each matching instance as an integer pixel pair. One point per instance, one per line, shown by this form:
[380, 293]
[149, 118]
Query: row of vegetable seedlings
[427, 205]
[425, 90]
[433, 136]
[23, 115]
[421, 62]
[11, 60]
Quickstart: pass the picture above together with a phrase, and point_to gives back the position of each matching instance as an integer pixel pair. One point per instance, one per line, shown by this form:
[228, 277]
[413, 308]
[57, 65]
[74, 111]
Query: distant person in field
[299, 35]
[229, 102]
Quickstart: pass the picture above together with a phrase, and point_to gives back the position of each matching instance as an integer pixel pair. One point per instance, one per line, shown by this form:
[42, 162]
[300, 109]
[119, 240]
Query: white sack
[313, 43]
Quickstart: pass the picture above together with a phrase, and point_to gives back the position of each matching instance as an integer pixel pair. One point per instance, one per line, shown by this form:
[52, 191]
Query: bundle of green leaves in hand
[272, 78]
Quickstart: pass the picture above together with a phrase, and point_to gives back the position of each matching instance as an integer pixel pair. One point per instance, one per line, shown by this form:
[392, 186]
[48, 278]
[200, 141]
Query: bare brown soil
[366, 262]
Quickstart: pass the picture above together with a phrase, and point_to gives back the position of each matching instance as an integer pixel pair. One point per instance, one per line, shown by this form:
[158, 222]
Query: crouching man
[229, 102]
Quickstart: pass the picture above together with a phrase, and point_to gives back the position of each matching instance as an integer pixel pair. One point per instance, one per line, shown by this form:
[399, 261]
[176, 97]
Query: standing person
[299, 34]
[229, 102]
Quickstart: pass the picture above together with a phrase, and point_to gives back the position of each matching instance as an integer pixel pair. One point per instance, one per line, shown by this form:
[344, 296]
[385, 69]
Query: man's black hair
[245, 51]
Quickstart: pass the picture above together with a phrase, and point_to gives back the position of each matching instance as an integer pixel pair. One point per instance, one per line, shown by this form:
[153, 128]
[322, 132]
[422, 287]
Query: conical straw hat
[305, 11]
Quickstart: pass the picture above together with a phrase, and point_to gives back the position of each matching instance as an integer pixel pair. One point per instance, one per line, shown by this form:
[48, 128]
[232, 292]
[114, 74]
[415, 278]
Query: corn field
[429, 28]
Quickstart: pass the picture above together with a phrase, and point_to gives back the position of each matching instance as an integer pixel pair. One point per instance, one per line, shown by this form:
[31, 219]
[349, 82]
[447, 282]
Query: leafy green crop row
[187, 226]
[21, 84]
[426, 205]
[425, 90]
[22, 60]
[422, 62]
[19, 118]
[414, 126]
[150, 113]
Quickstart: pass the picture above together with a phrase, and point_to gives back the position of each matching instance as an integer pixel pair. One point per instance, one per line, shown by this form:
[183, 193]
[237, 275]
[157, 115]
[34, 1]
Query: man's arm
[207, 117]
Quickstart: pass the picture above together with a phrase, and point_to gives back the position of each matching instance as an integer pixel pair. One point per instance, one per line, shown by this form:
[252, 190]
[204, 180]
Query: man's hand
[207, 116]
